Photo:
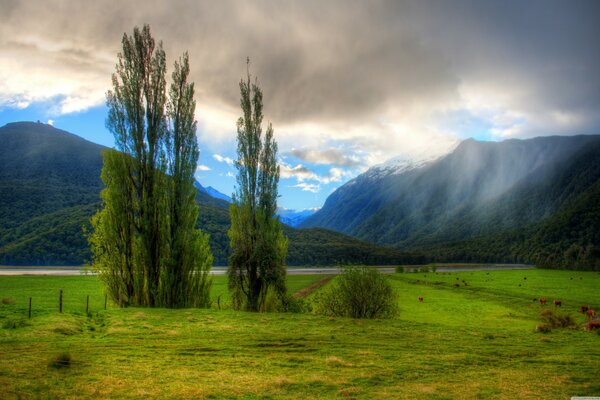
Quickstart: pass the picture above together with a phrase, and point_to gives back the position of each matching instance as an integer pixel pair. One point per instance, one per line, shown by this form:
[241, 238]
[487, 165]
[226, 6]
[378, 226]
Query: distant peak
[404, 163]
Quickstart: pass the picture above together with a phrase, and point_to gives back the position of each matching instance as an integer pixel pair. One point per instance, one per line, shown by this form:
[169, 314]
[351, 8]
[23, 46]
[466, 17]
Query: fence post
[87, 304]
[119, 298]
[105, 300]
[30, 308]
[60, 301]
[219, 301]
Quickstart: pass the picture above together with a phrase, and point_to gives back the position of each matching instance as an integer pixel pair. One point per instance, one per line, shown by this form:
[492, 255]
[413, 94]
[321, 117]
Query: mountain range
[535, 200]
[50, 187]
[289, 217]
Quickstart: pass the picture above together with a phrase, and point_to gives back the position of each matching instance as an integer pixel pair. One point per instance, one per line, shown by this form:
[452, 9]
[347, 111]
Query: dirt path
[303, 293]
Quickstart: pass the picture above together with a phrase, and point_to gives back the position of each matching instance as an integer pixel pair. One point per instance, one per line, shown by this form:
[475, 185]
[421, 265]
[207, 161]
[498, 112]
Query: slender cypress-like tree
[144, 244]
[185, 278]
[258, 246]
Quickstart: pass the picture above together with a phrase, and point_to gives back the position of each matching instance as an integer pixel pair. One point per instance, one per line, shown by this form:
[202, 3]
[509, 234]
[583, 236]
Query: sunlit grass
[474, 341]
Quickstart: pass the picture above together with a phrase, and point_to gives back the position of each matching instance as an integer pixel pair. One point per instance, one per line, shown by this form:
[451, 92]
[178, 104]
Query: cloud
[302, 174]
[330, 156]
[354, 82]
[51, 122]
[222, 159]
[308, 187]
[202, 168]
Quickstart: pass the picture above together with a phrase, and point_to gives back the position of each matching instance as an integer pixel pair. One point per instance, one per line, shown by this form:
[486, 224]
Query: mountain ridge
[481, 188]
[50, 185]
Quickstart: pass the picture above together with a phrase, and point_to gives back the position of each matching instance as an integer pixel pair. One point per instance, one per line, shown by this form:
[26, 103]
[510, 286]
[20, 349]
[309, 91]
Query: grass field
[472, 341]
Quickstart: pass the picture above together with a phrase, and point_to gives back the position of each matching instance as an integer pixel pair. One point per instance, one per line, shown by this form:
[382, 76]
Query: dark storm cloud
[346, 61]
[330, 156]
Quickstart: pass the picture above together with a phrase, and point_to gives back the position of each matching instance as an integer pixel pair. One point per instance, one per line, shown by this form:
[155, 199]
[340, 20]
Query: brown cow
[584, 309]
[421, 299]
[557, 303]
[591, 313]
[543, 301]
[593, 325]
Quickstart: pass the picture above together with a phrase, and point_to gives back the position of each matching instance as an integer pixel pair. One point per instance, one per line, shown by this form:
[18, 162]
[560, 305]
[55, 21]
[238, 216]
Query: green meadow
[472, 337]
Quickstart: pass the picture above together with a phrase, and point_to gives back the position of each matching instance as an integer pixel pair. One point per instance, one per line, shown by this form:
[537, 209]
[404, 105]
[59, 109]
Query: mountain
[50, 187]
[292, 217]
[212, 192]
[529, 200]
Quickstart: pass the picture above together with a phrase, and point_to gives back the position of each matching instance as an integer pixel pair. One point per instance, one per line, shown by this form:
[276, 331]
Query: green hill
[49, 189]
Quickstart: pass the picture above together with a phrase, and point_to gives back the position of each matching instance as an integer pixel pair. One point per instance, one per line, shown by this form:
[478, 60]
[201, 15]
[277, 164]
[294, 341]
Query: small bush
[543, 328]
[359, 292]
[555, 320]
[293, 305]
[400, 269]
[62, 360]
[7, 300]
[11, 323]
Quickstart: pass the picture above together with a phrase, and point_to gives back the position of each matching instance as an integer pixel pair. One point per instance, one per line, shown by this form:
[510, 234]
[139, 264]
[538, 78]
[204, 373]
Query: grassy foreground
[472, 341]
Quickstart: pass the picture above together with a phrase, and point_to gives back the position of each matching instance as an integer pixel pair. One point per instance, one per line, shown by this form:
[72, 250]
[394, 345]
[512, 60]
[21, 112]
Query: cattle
[591, 313]
[421, 299]
[557, 303]
[543, 301]
[584, 309]
[593, 325]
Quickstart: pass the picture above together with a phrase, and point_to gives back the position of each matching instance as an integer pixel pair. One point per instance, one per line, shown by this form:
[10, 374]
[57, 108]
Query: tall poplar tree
[144, 244]
[258, 246]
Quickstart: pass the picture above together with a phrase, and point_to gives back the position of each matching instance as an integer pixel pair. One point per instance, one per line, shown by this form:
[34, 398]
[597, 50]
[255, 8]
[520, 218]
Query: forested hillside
[50, 185]
[516, 201]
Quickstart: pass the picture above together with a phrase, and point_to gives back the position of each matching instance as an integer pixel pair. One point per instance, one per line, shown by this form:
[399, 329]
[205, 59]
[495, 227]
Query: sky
[346, 84]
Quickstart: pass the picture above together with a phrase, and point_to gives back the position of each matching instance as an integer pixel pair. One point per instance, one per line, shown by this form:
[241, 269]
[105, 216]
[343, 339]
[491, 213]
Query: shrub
[62, 360]
[399, 269]
[287, 303]
[11, 323]
[7, 300]
[543, 328]
[359, 292]
[555, 320]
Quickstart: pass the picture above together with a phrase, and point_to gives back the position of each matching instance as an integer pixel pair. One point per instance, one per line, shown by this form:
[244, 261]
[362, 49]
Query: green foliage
[144, 243]
[359, 292]
[555, 320]
[258, 246]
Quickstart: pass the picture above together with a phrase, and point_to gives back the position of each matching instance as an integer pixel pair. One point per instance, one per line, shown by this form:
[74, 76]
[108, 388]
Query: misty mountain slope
[50, 187]
[533, 198]
[569, 238]
[479, 188]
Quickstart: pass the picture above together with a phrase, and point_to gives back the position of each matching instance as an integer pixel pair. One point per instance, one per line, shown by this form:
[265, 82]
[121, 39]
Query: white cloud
[202, 168]
[309, 187]
[222, 159]
[229, 175]
[51, 122]
[302, 174]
